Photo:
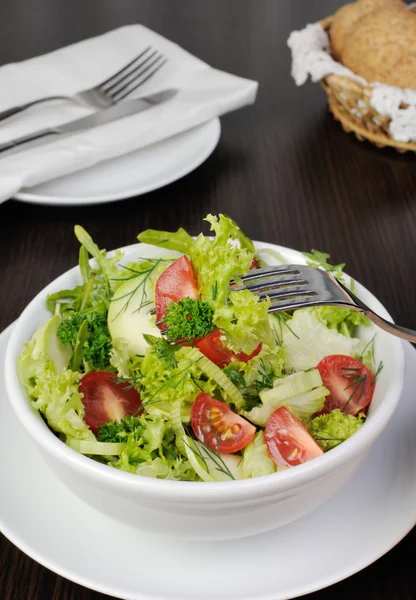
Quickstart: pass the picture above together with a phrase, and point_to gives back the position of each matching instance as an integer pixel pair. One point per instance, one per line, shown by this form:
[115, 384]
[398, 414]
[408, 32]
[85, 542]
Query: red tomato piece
[288, 440]
[350, 383]
[176, 282]
[214, 422]
[255, 264]
[213, 348]
[107, 399]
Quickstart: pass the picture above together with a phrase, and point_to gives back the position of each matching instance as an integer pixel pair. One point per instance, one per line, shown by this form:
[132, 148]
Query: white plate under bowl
[363, 521]
[130, 175]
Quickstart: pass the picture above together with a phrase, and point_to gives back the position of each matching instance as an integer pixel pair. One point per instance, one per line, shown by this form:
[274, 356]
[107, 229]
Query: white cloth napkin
[204, 93]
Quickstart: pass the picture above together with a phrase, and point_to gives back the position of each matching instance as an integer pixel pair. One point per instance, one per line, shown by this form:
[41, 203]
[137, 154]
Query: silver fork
[296, 286]
[112, 90]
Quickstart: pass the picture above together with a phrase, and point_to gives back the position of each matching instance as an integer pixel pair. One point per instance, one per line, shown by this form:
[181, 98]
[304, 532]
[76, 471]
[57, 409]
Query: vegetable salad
[161, 368]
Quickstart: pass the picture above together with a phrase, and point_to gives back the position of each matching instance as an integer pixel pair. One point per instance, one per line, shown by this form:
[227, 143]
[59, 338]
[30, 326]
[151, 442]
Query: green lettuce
[216, 260]
[245, 322]
[333, 428]
[56, 395]
[160, 386]
[318, 259]
[256, 459]
[343, 320]
[149, 448]
[99, 282]
[179, 241]
[308, 340]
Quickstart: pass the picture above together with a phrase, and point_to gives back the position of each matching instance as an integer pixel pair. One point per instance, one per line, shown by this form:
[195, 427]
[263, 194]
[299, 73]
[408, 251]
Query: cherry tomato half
[216, 425]
[106, 398]
[176, 282]
[213, 348]
[288, 441]
[350, 383]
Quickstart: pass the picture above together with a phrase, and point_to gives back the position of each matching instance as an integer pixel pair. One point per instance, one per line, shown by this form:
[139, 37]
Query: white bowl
[204, 511]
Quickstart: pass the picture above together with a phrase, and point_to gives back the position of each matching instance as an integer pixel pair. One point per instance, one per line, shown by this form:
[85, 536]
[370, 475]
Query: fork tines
[134, 74]
[285, 286]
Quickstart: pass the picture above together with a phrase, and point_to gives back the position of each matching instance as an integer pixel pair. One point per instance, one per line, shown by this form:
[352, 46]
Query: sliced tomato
[255, 264]
[106, 398]
[176, 282]
[215, 424]
[350, 383]
[288, 440]
[213, 348]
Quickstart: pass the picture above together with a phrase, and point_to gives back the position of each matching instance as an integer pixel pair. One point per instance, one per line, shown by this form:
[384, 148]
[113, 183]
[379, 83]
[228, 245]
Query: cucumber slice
[47, 343]
[128, 319]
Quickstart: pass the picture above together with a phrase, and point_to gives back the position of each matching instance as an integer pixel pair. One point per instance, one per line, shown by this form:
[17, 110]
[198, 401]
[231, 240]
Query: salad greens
[113, 387]
[333, 428]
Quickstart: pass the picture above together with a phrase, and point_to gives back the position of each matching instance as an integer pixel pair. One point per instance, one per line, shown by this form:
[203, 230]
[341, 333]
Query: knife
[107, 115]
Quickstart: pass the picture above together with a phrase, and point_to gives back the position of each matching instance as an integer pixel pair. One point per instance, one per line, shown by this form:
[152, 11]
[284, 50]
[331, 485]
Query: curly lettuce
[245, 322]
[333, 428]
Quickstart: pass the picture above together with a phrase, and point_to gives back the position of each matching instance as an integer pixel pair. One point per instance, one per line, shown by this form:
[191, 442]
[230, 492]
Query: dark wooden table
[283, 169]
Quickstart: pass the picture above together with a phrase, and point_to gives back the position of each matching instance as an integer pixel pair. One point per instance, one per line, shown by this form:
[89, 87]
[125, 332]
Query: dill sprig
[358, 383]
[206, 452]
[251, 393]
[370, 346]
[144, 277]
[282, 319]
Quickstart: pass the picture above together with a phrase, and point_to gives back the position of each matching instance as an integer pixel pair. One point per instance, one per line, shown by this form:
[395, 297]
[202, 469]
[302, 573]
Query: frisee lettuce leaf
[332, 429]
[149, 448]
[160, 386]
[217, 261]
[245, 322]
[56, 395]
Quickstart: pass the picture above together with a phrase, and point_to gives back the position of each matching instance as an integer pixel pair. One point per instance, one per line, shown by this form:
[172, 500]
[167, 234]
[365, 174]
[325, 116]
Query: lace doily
[310, 57]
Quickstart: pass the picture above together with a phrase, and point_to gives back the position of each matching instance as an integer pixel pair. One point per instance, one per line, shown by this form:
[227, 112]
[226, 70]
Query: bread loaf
[377, 40]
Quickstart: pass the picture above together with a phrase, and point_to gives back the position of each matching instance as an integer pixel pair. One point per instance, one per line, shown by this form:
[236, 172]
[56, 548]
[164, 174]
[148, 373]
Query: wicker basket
[349, 102]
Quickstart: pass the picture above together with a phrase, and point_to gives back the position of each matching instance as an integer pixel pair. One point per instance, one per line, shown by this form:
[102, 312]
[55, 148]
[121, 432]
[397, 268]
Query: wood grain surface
[284, 170]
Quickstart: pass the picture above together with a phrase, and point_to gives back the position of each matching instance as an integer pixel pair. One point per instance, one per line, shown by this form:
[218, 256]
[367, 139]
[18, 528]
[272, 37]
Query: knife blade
[107, 115]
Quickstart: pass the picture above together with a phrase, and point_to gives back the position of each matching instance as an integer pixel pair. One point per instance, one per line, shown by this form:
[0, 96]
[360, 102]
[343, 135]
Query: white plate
[371, 514]
[131, 175]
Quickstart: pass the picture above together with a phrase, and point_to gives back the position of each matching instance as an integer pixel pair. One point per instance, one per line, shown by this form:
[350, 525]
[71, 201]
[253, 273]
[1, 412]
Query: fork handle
[397, 330]
[5, 114]
[392, 328]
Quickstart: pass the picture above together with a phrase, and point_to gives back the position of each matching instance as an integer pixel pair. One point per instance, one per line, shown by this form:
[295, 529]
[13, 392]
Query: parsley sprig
[188, 319]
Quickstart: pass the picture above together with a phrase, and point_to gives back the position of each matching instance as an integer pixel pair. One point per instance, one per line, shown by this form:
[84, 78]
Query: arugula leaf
[180, 240]
[78, 354]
